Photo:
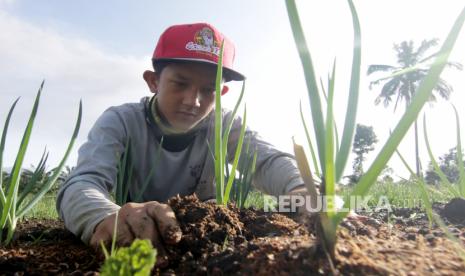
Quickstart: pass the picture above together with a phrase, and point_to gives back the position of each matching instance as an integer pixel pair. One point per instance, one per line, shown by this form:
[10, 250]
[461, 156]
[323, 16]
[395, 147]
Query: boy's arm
[84, 199]
[276, 171]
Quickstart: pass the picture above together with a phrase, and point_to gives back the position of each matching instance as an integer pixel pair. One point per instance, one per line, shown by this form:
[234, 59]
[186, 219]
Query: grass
[402, 194]
[254, 199]
[44, 209]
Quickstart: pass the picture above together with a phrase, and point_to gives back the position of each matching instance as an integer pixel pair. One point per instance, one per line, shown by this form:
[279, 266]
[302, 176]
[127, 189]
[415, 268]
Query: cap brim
[229, 74]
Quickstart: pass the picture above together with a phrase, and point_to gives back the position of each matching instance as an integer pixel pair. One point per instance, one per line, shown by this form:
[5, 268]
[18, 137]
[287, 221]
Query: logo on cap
[204, 41]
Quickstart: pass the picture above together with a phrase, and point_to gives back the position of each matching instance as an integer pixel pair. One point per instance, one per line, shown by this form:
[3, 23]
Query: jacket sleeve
[276, 171]
[84, 199]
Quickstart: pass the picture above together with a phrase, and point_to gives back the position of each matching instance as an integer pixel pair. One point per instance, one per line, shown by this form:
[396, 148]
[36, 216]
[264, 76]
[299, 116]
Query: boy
[181, 111]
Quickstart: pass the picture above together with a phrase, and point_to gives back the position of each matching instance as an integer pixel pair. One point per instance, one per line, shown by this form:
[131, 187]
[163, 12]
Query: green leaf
[310, 144]
[436, 167]
[231, 121]
[51, 181]
[422, 188]
[329, 173]
[352, 103]
[460, 164]
[236, 158]
[10, 204]
[39, 172]
[124, 169]
[219, 158]
[138, 259]
[312, 87]
[2, 147]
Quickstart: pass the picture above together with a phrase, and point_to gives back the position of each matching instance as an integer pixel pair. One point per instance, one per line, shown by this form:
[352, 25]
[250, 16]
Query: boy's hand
[151, 220]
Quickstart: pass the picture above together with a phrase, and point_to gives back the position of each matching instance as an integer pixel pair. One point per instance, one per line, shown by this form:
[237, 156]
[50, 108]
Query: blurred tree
[448, 165]
[364, 142]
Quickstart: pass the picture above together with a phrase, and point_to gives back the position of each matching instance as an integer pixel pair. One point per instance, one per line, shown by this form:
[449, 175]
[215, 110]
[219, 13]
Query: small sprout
[138, 259]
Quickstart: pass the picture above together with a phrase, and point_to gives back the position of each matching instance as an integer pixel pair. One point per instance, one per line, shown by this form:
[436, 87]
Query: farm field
[219, 240]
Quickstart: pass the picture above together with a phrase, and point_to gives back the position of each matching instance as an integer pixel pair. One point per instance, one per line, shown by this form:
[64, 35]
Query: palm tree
[404, 78]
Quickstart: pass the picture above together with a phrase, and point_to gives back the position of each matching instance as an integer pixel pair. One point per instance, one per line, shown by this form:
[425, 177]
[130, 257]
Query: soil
[218, 240]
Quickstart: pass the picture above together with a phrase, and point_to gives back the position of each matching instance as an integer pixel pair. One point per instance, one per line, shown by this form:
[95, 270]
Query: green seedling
[12, 202]
[223, 186]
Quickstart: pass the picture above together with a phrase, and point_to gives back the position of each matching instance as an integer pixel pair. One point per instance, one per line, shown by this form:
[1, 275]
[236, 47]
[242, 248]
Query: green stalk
[329, 179]
[219, 160]
[231, 121]
[422, 187]
[245, 188]
[309, 142]
[244, 166]
[312, 87]
[39, 171]
[352, 102]
[436, 167]
[336, 134]
[460, 164]
[2, 147]
[123, 166]
[328, 228]
[236, 159]
[115, 235]
[138, 197]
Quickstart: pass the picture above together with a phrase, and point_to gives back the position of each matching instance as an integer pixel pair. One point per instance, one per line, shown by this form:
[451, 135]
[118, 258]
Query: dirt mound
[218, 240]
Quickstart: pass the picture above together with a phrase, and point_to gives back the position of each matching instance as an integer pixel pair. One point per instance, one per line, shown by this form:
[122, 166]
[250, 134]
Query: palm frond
[455, 65]
[425, 45]
[380, 68]
[444, 89]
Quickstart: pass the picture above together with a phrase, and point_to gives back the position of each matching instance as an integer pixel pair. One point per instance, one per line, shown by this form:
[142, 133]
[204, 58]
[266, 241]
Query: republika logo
[204, 41]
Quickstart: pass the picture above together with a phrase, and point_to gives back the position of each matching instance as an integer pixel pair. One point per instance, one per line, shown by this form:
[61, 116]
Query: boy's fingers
[165, 220]
[143, 227]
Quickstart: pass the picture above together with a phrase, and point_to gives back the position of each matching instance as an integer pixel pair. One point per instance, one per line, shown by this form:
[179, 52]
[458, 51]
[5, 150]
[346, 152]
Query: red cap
[198, 42]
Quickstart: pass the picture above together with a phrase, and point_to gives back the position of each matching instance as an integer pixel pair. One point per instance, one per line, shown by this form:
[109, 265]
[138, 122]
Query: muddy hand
[151, 220]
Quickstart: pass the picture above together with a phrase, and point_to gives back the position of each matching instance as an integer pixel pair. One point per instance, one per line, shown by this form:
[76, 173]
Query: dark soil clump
[45, 247]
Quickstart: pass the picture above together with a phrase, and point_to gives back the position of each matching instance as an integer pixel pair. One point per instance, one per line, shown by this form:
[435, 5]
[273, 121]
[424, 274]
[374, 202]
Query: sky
[96, 51]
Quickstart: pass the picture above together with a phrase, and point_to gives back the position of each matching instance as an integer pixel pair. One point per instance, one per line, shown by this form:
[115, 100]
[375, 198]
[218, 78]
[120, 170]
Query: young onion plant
[332, 159]
[224, 185]
[12, 202]
[243, 182]
[124, 176]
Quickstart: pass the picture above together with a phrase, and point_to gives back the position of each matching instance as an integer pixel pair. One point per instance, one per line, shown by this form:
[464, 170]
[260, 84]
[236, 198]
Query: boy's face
[186, 93]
